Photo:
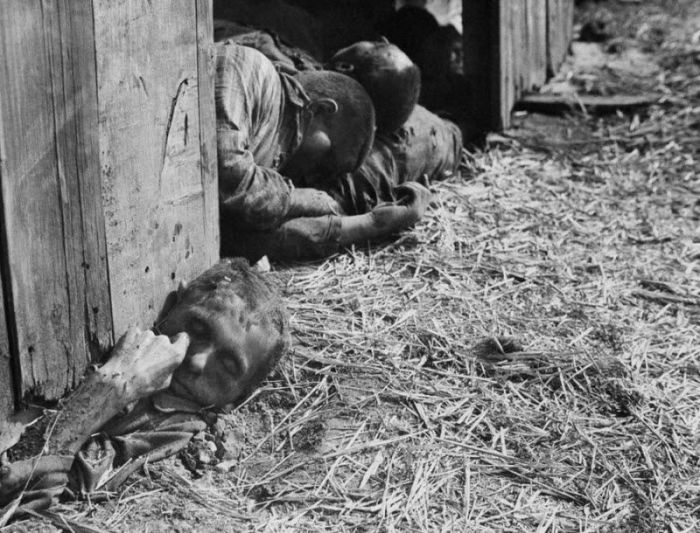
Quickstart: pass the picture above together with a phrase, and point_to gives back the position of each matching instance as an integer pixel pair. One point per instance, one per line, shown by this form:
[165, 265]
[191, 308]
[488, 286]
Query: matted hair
[392, 80]
[263, 303]
[355, 111]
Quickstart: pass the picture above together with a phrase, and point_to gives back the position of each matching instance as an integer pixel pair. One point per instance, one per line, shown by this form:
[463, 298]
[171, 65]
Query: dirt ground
[526, 359]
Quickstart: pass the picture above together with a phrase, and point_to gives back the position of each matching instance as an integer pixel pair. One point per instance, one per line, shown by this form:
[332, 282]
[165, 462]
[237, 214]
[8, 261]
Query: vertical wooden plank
[508, 73]
[560, 18]
[537, 43]
[7, 403]
[158, 189]
[207, 119]
[52, 207]
[7, 386]
[80, 147]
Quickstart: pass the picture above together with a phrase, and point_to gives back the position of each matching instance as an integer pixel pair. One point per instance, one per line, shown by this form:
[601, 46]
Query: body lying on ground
[224, 334]
[384, 194]
[282, 141]
[424, 150]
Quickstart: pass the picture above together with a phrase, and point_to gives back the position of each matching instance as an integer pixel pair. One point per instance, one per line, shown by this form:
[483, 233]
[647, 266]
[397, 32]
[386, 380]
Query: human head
[441, 54]
[339, 128]
[238, 330]
[389, 76]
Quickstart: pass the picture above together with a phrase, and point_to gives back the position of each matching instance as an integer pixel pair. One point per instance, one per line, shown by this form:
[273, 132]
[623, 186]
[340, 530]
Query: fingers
[159, 351]
[413, 192]
[181, 342]
[128, 338]
[152, 366]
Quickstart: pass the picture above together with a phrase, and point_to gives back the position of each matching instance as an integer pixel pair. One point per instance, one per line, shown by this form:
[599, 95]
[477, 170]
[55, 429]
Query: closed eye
[232, 364]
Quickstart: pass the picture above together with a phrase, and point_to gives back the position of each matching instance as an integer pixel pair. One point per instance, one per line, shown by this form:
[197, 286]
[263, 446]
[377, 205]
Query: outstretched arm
[140, 365]
[308, 237]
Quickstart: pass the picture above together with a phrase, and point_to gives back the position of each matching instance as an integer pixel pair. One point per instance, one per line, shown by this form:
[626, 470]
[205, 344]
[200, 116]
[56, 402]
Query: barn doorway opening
[429, 31]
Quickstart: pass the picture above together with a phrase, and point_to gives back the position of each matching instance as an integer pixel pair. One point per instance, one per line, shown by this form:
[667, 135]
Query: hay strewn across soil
[527, 359]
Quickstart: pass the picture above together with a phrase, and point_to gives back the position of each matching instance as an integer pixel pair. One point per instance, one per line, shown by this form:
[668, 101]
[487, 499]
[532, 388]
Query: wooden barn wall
[512, 46]
[157, 150]
[56, 264]
[107, 176]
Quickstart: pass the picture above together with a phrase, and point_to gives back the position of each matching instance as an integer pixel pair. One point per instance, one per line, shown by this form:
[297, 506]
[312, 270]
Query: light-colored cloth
[259, 125]
[426, 148]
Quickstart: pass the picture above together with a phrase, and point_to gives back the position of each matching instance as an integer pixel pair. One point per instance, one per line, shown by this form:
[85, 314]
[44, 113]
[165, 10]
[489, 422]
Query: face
[226, 352]
[313, 158]
[320, 159]
[456, 57]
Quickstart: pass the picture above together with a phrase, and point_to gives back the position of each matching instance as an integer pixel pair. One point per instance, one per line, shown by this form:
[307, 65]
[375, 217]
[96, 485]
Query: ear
[325, 106]
[343, 67]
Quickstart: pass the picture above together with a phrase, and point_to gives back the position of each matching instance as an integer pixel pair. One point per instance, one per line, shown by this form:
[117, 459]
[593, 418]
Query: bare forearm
[378, 224]
[140, 365]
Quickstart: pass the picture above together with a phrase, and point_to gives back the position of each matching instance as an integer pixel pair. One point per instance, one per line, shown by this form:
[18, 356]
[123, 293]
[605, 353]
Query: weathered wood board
[512, 46]
[107, 177]
[536, 43]
[6, 381]
[54, 230]
[157, 149]
[560, 29]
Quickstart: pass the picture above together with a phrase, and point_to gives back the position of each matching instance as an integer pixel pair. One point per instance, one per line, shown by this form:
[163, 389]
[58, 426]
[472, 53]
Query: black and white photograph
[350, 266]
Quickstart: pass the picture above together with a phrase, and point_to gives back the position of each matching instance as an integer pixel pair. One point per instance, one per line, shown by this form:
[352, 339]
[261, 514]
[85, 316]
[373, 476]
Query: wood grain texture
[51, 198]
[207, 118]
[158, 185]
[7, 403]
[560, 20]
[7, 389]
[594, 104]
[536, 43]
[511, 46]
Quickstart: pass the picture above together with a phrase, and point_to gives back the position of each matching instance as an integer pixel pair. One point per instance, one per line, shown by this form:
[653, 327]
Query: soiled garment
[285, 57]
[259, 125]
[157, 427]
[426, 148]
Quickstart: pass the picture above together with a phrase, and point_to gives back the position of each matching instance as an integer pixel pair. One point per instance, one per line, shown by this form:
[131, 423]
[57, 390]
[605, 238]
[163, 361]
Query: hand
[144, 362]
[413, 195]
[308, 202]
[408, 209]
